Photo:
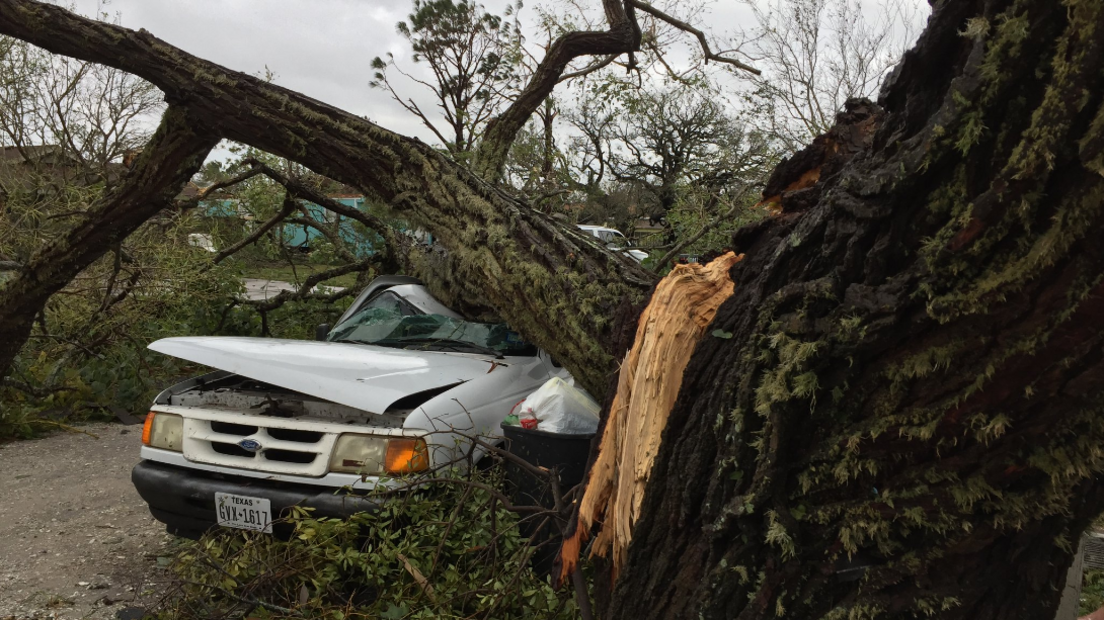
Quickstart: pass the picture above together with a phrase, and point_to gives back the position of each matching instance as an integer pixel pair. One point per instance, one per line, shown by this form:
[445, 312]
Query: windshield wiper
[455, 345]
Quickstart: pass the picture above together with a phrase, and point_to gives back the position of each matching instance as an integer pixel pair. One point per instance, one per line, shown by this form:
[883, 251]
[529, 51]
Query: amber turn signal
[164, 431]
[147, 427]
[406, 456]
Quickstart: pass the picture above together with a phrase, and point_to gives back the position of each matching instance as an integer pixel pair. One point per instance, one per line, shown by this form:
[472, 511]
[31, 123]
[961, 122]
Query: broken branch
[285, 210]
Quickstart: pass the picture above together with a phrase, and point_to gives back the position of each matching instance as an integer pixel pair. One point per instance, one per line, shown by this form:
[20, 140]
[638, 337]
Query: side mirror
[321, 331]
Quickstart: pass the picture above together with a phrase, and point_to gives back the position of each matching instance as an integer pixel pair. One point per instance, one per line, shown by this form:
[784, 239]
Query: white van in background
[613, 239]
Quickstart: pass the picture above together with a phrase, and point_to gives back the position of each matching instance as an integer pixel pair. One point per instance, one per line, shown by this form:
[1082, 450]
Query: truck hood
[360, 376]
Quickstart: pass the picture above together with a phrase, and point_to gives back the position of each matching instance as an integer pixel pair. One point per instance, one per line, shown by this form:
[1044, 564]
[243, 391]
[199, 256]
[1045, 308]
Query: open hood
[360, 376]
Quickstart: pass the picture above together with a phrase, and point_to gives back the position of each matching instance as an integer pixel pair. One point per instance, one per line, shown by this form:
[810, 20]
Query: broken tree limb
[681, 308]
[172, 156]
[285, 210]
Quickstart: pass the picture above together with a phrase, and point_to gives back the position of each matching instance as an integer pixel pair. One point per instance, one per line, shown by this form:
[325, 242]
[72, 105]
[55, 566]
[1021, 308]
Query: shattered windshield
[389, 320]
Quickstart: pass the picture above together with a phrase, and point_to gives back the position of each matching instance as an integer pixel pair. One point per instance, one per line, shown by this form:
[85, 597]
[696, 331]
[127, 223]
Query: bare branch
[304, 191]
[304, 290]
[189, 203]
[681, 25]
[605, 62]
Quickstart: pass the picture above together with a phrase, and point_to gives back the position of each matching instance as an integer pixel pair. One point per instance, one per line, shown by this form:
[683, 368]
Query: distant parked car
[613, 239]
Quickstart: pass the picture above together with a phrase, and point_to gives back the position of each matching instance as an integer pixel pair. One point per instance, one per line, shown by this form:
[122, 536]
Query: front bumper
[184, 499]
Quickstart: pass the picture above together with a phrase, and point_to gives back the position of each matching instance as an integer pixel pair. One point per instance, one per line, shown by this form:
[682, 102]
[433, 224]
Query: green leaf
[720, 333]
[394, 612]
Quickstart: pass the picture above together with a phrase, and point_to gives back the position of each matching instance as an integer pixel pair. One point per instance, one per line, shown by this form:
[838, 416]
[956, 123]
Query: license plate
[243, 512]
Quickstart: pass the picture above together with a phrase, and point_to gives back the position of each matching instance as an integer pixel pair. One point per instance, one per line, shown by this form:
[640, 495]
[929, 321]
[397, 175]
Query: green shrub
[450, 551]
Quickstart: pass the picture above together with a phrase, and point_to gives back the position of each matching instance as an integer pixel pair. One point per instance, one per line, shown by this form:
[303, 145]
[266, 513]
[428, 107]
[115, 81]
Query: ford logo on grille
[250, 444]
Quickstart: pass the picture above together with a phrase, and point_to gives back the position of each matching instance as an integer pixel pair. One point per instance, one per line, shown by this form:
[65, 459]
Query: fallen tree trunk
[907, 420]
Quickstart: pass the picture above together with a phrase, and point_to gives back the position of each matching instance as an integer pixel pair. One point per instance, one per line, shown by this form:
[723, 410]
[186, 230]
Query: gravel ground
[76, 541]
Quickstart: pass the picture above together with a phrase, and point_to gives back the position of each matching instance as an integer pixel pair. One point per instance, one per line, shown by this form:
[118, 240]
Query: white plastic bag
[559, 407]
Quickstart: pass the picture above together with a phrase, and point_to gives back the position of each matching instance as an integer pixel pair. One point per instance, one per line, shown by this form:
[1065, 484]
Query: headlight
[358, 454]
[164, 430]
[372, 455]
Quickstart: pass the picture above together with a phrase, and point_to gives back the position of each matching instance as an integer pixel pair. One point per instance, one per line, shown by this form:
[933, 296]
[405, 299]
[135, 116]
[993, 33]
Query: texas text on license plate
[243, 512]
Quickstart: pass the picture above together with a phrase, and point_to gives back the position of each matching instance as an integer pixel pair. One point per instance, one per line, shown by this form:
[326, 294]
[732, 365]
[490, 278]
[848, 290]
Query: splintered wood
[681, 308]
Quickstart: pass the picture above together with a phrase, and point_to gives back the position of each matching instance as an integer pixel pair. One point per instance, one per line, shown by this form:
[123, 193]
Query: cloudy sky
[322, 48]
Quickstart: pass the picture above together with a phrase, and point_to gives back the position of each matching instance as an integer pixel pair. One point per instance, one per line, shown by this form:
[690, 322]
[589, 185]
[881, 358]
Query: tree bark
[907, 419]
[548, 281]
[173, 155]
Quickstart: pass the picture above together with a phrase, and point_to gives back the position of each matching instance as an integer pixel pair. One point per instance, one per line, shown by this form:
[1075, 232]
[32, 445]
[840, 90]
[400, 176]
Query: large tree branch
[503, 255]
[591, 68]
[306, 289]
[172, 156]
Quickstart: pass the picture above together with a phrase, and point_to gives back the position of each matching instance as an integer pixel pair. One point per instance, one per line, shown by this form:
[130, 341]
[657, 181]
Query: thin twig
[591, 68]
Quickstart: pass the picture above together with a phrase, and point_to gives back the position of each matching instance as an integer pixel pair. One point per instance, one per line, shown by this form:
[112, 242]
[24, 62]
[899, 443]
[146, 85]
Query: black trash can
[567, 454]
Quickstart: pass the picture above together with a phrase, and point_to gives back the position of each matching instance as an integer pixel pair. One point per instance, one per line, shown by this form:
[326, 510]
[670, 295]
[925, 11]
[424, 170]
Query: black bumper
[184, 499]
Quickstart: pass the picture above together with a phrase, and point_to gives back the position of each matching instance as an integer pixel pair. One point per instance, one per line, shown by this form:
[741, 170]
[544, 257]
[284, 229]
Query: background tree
[473, 57]
[682, 136]
[817, 54]
[89, 115]
[647, 151]
[537, 167]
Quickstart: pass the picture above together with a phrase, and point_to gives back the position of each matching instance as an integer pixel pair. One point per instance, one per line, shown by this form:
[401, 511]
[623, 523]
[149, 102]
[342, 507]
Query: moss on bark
[907, 419]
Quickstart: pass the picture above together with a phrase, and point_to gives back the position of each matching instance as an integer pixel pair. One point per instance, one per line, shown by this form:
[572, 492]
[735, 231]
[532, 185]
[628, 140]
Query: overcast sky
[322, 48]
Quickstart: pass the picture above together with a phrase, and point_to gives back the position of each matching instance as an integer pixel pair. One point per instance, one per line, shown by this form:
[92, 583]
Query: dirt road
[76, 541]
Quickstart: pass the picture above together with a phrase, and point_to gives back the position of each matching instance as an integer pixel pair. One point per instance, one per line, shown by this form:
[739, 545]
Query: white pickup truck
[399, 385]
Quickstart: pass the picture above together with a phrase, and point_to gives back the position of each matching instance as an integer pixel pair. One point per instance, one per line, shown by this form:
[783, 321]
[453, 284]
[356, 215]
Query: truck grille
[281, 450]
